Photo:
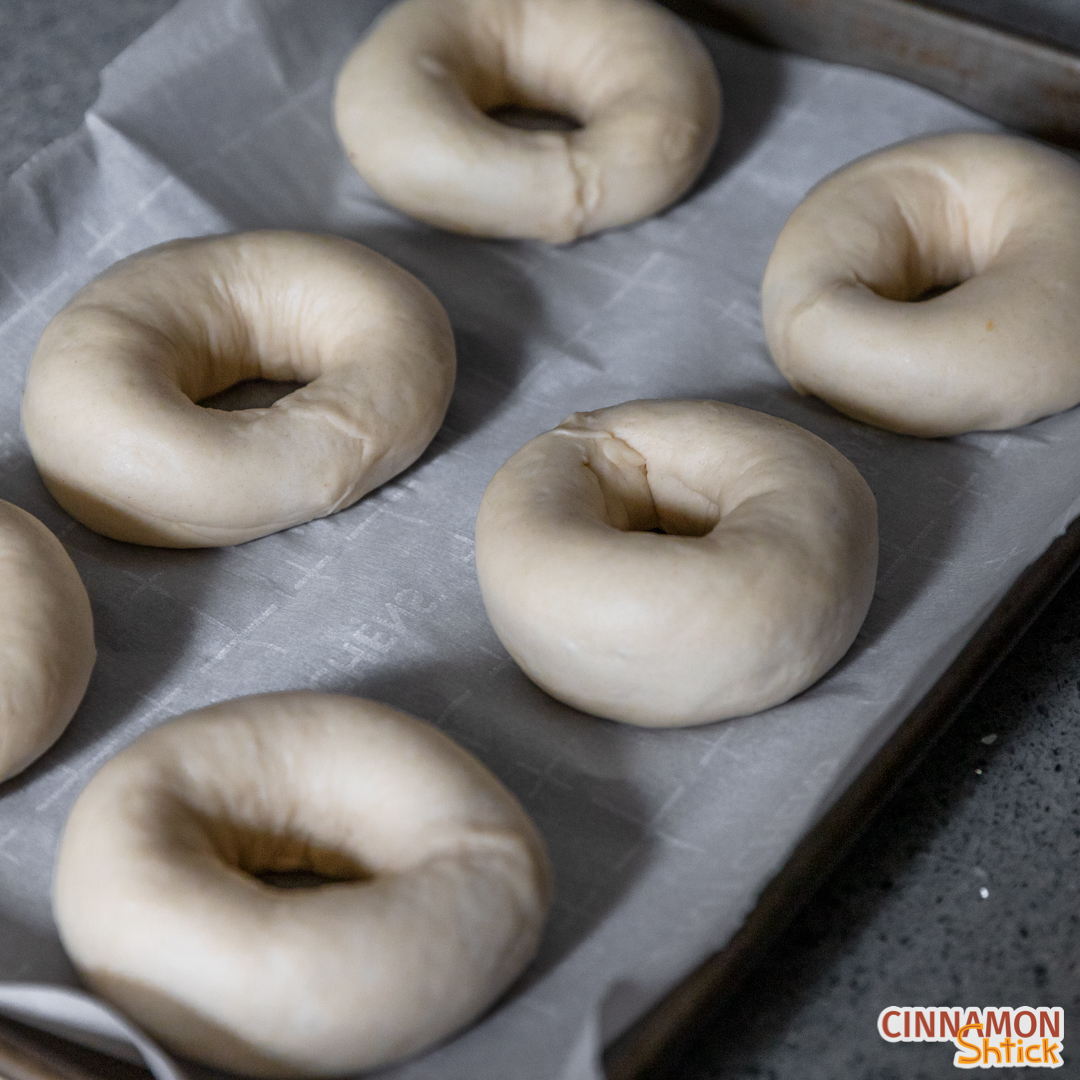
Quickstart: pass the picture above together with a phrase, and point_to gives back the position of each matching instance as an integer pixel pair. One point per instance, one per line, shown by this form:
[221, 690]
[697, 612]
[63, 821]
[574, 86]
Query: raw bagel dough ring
[758, 588]
[46, 639]
[412, 100]
[109, 406]
[442, 885]
[997, 214]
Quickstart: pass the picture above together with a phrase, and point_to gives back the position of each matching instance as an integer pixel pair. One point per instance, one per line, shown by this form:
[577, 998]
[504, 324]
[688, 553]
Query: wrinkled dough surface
[442, 885]
[997, 217]
[756, 587]
[110, 407]
[412, 102]
[46, 639]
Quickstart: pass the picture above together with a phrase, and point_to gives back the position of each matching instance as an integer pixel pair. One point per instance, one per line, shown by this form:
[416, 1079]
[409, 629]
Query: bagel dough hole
[931, 245]
[297, 879]
[250, 394]
[934, 291]
[528, 118]
[282, 861]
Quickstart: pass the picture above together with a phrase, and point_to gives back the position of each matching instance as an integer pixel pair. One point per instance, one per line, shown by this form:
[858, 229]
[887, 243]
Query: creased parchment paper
[219, 118]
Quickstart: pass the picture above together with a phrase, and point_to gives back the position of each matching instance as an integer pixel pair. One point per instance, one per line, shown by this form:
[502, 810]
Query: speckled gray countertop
[965, 889]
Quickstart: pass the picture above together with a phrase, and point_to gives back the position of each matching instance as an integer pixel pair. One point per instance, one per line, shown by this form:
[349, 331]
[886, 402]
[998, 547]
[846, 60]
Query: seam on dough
[598, 436]
[673, 479]
[587, 183]
[584, 433]
[808, 303]
[712, 504]
[319, 410]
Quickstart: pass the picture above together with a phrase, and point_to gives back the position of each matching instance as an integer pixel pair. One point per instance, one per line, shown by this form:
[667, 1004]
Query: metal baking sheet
[662, 842]
[1032, 85]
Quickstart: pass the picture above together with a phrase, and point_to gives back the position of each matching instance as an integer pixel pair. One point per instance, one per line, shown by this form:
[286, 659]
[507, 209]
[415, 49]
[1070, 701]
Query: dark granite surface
[994, 807]
[964, 890]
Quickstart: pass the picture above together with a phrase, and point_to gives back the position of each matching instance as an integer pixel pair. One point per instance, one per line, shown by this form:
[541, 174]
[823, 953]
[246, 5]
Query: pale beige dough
[110, 407]
[46, 639]
[412, 102]
[996, 216]
[443, 885]
[757, 585]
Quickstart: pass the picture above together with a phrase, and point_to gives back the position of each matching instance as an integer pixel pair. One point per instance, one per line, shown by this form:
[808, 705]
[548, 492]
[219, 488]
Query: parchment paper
[219, 119]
